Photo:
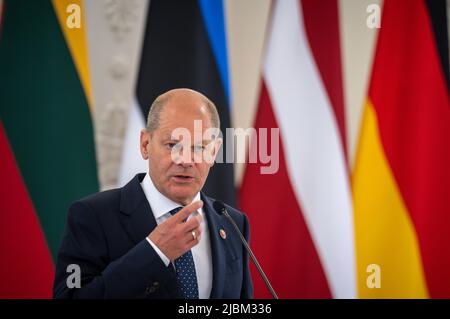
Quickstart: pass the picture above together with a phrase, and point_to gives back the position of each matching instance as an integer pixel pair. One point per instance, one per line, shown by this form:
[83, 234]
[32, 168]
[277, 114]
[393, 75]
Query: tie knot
[176, 210]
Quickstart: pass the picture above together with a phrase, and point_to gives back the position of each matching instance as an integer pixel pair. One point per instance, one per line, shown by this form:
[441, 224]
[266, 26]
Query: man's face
[176, 163]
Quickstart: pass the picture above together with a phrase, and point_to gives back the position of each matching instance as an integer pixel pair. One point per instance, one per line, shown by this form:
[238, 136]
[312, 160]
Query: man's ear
[144, 141]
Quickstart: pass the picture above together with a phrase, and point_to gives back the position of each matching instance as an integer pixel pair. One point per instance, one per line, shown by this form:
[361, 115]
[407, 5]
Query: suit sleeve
[247, 286]
[84, 244]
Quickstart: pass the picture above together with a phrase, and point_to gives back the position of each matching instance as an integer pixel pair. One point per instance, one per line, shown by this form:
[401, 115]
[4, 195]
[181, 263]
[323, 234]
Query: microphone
[220, 207]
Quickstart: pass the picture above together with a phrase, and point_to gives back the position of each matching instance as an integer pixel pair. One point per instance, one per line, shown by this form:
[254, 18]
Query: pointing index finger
[184, 213]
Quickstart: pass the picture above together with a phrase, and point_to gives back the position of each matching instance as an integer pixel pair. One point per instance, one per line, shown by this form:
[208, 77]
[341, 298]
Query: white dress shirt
[161, 207]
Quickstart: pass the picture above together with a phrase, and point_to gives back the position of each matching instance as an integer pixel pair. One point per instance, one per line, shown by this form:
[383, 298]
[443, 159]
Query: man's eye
[170, 145]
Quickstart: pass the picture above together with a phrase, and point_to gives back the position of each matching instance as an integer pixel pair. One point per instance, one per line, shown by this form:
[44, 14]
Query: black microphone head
[219, 206]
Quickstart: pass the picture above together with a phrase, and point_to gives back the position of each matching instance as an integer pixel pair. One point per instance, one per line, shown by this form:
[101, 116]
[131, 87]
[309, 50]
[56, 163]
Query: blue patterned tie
[185, 270]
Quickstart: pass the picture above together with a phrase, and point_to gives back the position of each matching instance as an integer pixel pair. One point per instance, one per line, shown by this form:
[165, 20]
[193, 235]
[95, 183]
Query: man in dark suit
[159, 236]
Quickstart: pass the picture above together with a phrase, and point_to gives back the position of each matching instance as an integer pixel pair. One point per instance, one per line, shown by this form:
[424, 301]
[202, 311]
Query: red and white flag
[301, 216]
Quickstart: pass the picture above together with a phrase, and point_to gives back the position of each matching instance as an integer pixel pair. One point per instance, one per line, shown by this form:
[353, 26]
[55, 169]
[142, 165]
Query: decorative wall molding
[121, 16]
[115, 32]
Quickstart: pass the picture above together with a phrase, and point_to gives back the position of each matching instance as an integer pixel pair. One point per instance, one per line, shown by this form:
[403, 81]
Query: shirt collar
[159, 203]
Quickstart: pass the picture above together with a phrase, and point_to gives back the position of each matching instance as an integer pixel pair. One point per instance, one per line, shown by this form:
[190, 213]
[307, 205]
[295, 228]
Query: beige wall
[246, 22]
[357, 45]
[114, 45]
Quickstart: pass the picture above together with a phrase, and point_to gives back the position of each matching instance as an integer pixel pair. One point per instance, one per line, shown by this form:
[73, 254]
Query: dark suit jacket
[105, 235]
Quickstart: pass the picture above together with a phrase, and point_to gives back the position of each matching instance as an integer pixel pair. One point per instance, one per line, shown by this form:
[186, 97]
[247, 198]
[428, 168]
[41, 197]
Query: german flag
[401, 181]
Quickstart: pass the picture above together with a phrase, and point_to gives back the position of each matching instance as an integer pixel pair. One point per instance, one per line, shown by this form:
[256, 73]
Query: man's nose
[186, 163]
[185, 157]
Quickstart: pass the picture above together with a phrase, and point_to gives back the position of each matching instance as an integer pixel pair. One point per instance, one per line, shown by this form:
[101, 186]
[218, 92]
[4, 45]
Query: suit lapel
[137, 217]
[138, 221]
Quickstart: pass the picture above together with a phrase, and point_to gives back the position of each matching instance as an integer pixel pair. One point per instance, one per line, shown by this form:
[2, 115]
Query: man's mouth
[182, 178]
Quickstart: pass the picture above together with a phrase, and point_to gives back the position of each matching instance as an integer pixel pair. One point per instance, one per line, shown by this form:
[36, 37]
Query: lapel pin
[223, 234]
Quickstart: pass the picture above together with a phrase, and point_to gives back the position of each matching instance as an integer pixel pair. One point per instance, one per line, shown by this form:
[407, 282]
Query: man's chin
[182, 193]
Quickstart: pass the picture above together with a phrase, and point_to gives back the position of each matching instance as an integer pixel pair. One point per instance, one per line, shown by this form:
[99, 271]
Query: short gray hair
[157, 106]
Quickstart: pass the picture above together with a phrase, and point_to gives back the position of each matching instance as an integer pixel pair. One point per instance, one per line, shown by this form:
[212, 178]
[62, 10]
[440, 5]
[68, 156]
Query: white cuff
[163, 257]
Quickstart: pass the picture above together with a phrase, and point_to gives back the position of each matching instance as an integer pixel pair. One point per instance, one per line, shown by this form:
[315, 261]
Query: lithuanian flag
[401, 181]
[46, 139]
